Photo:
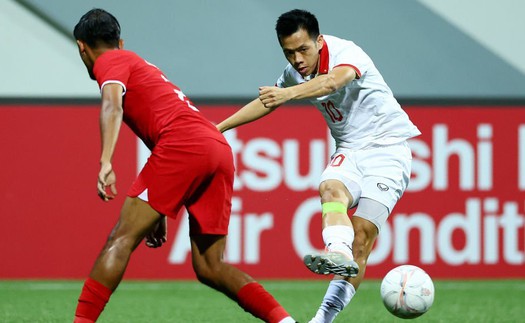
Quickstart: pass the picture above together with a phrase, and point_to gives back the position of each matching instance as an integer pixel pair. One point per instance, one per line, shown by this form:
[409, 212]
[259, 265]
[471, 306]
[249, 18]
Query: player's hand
[158, 235]
[273, 96]
[106, 180]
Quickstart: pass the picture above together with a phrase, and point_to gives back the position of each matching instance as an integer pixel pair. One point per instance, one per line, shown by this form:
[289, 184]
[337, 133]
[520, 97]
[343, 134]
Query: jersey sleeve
[353, 57]
[280, 81]
[286, 79]
[112, 68]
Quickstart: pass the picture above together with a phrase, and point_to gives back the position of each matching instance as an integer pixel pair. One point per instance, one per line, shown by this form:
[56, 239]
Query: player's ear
[121, 43]
[320, 42]
[81, 46]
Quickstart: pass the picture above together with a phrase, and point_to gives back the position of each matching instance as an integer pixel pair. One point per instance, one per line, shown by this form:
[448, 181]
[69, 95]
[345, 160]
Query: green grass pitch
[188, 301]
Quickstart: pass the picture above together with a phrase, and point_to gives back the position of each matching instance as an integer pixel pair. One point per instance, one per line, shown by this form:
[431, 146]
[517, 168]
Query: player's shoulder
[337, 44]
[290, 75]
[289, 70]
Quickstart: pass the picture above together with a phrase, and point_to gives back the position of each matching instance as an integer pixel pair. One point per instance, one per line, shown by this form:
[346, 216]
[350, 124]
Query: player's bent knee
[206, 274]
[122, 244]
[334, 196]
[203, 278]
[334, 191]
[203, 266]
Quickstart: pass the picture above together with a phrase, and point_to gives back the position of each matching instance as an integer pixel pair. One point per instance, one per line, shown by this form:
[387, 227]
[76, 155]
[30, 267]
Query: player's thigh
[137, 218]
[386, 173]
[343, 169]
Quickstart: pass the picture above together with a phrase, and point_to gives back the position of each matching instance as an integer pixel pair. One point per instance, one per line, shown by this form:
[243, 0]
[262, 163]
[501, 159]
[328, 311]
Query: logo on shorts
[382, 187]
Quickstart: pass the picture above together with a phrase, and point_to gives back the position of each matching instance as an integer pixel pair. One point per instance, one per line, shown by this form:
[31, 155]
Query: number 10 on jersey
[333, 112]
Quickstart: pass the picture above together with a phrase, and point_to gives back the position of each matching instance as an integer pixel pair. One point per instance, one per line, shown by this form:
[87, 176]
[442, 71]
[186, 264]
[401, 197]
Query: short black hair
[98, 27]
[291, 21]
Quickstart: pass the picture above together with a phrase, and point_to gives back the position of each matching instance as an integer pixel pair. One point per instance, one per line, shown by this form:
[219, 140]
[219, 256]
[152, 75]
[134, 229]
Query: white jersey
[362, 113]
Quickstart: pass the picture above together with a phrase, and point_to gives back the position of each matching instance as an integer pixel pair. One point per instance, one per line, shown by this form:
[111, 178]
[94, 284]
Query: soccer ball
[407, 291]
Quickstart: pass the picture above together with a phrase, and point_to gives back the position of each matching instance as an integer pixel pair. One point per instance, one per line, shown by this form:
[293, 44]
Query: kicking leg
[338, 233]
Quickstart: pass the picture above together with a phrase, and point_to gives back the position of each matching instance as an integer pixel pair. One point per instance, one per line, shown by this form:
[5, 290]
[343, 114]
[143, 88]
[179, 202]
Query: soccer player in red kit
[191, 165]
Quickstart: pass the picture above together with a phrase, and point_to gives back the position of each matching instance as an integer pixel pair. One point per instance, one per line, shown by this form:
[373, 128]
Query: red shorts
[195, 174]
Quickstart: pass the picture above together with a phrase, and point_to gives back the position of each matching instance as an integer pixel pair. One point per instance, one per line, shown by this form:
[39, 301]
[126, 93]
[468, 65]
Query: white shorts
[380, 173]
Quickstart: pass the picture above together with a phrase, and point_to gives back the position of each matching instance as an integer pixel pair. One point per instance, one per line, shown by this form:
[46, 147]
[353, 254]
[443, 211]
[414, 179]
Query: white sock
[288, 319]
[338, 295]
[339, 238]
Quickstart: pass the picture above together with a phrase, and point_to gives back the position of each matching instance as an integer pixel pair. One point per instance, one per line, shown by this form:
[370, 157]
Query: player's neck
[96, 52]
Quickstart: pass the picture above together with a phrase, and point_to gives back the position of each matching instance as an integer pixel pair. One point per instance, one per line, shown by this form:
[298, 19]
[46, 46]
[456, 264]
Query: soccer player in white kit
[371, 166]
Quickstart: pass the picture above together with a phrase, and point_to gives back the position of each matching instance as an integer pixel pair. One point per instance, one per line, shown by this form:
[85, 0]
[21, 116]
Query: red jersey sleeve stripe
[357, 71]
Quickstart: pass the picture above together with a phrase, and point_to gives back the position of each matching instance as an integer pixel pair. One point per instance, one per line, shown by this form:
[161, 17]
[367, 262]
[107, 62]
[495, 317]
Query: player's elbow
[330, 84]
[111, 107]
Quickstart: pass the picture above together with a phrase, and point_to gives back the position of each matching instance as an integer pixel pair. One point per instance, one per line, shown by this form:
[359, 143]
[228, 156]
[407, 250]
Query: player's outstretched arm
[319, 86]
[250, 112]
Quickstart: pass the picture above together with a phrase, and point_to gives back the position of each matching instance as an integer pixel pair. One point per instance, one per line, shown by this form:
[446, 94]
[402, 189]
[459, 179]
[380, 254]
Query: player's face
[302, 51]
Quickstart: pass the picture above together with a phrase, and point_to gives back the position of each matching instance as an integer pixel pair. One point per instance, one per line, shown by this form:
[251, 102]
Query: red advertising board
[462, 216]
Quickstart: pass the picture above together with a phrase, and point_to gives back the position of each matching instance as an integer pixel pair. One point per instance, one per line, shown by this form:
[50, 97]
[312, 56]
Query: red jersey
[154, 108]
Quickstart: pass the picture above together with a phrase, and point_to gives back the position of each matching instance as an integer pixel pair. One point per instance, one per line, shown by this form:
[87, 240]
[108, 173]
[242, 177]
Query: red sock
[92, 301]
[253, 298]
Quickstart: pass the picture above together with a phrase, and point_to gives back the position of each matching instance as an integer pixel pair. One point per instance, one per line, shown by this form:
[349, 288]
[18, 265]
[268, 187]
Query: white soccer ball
[407, 291]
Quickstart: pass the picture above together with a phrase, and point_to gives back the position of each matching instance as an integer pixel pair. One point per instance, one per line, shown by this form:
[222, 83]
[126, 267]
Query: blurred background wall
[426, 49]
[458, 67]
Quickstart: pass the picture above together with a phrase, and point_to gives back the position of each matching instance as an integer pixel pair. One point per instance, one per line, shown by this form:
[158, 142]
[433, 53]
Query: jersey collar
[324, 56]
